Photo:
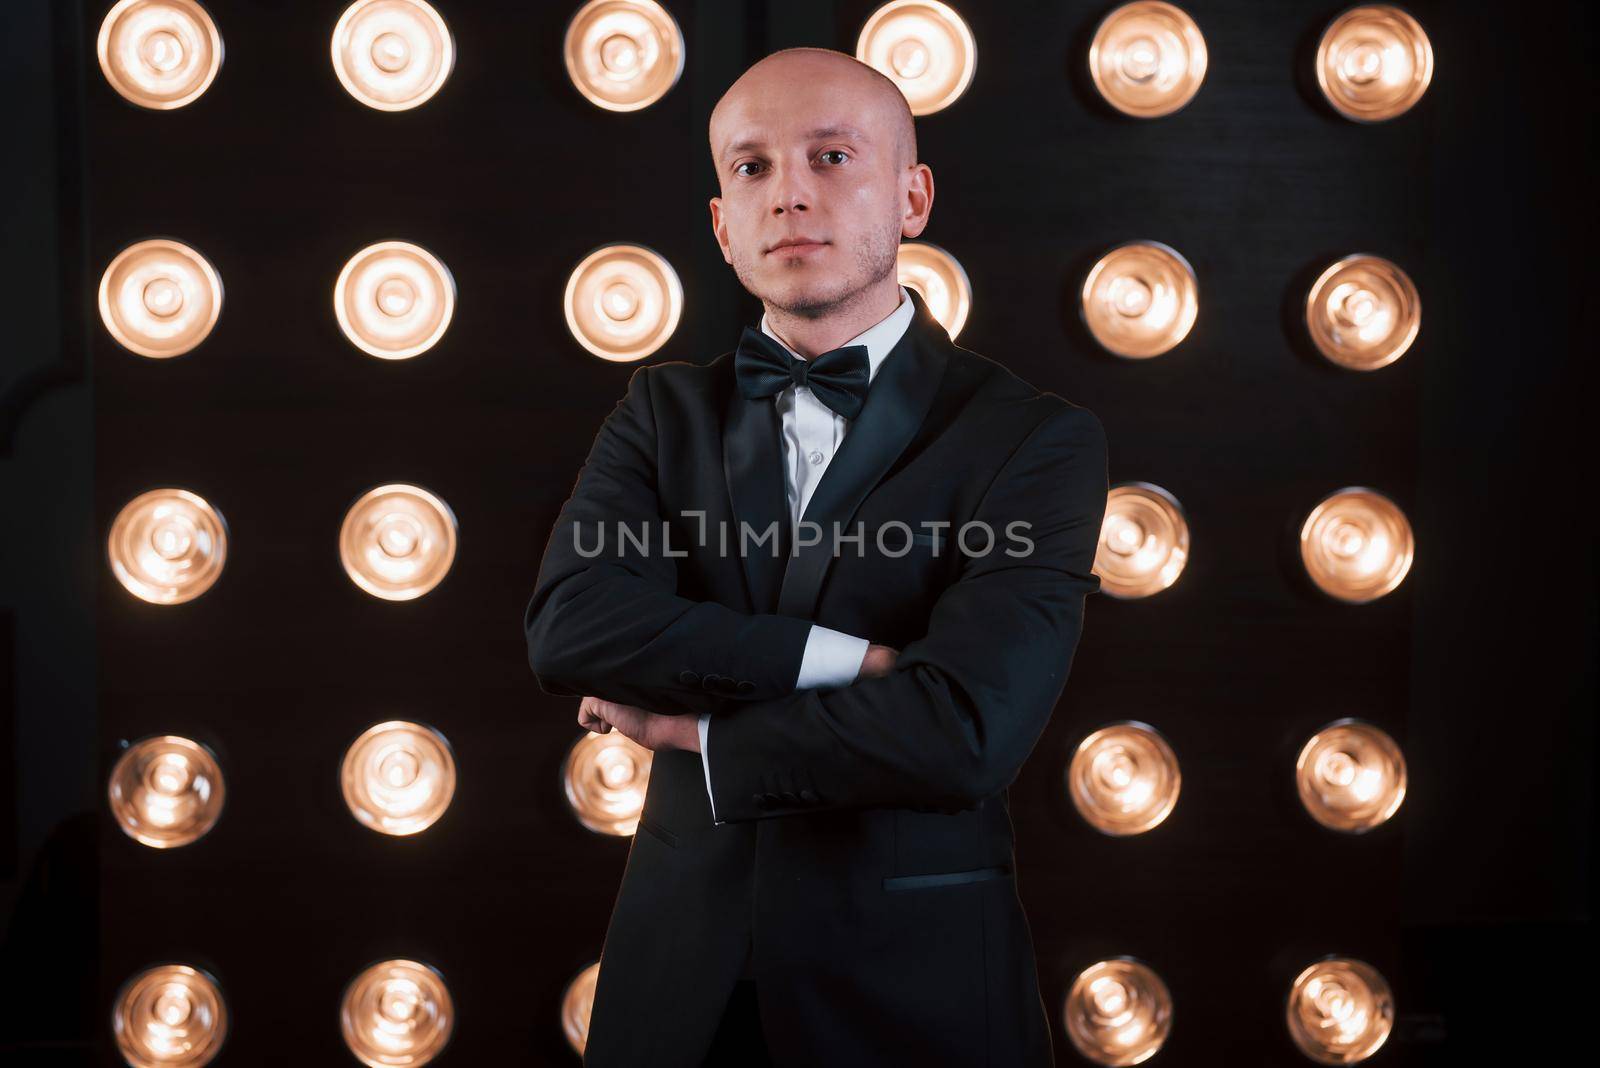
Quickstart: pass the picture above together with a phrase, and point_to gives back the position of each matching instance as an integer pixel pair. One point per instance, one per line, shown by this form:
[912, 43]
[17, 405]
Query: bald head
[816, 159]
[863, 95]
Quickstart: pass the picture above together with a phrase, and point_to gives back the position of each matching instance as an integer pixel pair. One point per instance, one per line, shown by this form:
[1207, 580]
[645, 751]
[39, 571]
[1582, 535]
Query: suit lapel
[896, 405]
[752, 462]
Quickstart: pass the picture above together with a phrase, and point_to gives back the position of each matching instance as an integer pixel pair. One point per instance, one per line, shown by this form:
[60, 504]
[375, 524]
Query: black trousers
[738, 1042]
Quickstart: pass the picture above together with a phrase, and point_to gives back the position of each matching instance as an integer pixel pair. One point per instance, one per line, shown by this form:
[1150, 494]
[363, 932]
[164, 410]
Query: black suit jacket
[865, 867]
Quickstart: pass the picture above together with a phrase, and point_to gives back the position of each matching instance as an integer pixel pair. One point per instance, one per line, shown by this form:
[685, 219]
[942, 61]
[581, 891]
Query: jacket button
[789, 798]
[709, 682]
[761, 800]
[725, 684]
[745, 686]
[688, 678]
[809, 796]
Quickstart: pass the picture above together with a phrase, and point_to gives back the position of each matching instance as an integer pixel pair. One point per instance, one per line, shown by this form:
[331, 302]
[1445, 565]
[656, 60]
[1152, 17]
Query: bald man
[834, 579]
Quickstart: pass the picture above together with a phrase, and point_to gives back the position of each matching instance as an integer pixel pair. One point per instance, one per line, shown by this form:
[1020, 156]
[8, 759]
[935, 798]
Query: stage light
[166, 791]
[394, 300]
[167, 546]
[1363, 312]
[392, 54]
[940, 280]
[1340, 1011]
[1124, 778]
[1374, 62]
[1147, 59]
[576, 1006]
[397, 1012]
[1140, 299]
[159, 298]
[623, 55]
[398, 777]
[1356, 545]
[924, 47]
[622, 302]
[159, 54]
[397, 541]
[1351, 776]
[169, 1016]
[1118, 1012]
[1144, 541]
[605, 778]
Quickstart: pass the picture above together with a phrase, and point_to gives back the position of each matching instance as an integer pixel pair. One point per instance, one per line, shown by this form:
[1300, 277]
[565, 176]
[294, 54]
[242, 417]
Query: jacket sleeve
[609, 623]
[965, 704]
[832, 658]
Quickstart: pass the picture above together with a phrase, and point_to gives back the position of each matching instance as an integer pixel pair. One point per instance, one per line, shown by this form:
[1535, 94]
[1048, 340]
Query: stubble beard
[876, 256]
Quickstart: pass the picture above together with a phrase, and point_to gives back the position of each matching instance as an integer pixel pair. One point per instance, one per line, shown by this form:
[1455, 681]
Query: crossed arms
[948, 726]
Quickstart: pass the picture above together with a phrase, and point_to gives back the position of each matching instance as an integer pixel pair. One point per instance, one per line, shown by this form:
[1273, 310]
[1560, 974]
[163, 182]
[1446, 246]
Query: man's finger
[589, 717]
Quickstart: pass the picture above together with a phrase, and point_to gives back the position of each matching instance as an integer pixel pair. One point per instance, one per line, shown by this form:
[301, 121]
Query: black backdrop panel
[510, 177]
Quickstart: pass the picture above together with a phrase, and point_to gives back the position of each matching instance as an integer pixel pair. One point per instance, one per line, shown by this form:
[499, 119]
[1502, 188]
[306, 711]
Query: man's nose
[791, 191]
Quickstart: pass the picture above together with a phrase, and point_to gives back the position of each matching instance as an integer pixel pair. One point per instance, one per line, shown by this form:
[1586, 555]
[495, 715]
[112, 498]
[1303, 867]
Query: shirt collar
[879, 338]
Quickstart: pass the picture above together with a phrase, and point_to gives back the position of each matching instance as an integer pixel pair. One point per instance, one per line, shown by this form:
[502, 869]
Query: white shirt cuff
[705, 728]
[832, 658]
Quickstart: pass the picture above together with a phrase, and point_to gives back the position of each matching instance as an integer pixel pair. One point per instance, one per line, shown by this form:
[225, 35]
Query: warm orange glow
[623, 302]
[924, 47]
[397, 541]
[1374, 62]
[1363, 312]
[397, 1012]
[1124, 778]
[167, 546]
[606, 777]
[166, 791]
[394, 300]
[623, 55]
[1148, 58]
[159, 298]
[392, 54]
[940, 280]
[398, 777]
[1140, 299]
[1340, 1011]
[169, 1016]
[159, 54]
[1144, 541]
[576, 1006]
[1356, 545]
[1118, 1012]
[1351, 776]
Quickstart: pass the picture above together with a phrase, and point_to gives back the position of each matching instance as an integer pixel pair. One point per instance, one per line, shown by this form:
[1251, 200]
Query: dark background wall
[1481, 664]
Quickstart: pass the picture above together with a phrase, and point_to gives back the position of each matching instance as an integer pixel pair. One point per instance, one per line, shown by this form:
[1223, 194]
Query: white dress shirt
[812, 432]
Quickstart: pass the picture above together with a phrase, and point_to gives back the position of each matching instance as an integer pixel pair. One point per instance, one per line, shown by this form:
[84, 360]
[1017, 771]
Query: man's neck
[812, 337]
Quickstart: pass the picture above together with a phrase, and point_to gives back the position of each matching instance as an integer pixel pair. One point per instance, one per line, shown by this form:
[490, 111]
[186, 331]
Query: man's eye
[742, 165]
[836, 152]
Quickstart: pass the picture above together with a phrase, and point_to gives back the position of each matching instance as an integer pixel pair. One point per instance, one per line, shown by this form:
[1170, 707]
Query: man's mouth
[798, 246]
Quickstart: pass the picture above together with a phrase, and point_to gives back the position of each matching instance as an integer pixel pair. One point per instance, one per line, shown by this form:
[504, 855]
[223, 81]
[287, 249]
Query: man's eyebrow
[839, 129]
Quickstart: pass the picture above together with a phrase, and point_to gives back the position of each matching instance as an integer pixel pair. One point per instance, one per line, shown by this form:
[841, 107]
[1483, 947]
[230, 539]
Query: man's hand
[652, 730]
[878, 662]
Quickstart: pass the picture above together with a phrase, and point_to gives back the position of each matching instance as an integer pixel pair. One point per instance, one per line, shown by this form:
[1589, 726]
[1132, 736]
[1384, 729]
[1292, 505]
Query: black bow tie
[838, 377]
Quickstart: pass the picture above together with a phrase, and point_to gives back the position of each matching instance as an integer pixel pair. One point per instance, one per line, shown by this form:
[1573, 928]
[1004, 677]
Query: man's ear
[719, 230]
[918, 201]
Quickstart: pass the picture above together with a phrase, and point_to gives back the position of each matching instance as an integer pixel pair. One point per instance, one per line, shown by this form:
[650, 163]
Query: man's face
[805, 153]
